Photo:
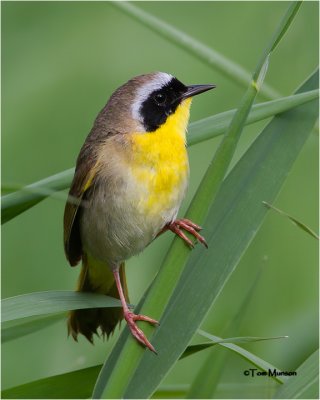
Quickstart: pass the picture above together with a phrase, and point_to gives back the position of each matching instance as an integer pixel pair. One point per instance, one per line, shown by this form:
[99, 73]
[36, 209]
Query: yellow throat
[160, 162]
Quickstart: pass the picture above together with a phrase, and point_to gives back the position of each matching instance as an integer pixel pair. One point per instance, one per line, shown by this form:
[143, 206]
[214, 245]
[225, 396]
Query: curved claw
[136, 331]
[189, 226]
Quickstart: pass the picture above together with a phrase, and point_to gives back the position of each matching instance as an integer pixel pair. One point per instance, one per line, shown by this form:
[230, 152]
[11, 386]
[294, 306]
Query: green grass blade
[25, 328]
[208, 377]
[15, 203]
[207, 128]
[232, 223]
[206, 54]
[239, 339]
[215, 125]
[72, 385]
[305, 385]
[278, 35]
[206, 380]
[195, 348]
[296, 222]
[29, 305]
[253, 359]
[117, 373]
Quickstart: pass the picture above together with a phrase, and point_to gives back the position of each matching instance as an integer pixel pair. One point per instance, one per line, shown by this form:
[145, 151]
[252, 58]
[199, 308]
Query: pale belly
[124, 217]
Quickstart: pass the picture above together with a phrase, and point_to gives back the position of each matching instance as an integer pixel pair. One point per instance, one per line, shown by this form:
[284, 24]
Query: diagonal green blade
[253, 359]
[21, 329]
[72, 385]
[16, 203]
[207, 378]
[38, 303]
[204, 53]
[305, 385]
[296, 222]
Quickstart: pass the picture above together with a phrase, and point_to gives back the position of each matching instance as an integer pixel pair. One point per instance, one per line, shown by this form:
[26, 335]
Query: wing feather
[84, 178]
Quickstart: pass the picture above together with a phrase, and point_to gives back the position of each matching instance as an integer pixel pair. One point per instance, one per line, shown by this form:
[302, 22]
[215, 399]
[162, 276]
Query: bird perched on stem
[130, 179]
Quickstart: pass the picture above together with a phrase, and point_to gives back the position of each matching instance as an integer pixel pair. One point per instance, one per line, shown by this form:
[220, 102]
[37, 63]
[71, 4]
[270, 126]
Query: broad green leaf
[22, 329]
[208, 55]
[118, 378]
[233, 221]
[206, 380]
[300, 224]
[26, 197]
[305, 385]
[28, 305]
[72, 385]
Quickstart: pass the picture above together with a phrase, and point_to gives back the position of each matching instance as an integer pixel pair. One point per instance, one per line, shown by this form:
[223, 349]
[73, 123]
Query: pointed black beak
[193, 90]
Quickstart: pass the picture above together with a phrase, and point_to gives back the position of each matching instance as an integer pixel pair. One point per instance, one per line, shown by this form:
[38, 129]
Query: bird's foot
[179, 224]
[130, 317]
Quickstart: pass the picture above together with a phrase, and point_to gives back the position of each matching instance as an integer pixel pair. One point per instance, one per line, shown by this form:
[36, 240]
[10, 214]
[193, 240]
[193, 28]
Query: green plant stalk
[162, 288]
[16, 203]
[208, 55]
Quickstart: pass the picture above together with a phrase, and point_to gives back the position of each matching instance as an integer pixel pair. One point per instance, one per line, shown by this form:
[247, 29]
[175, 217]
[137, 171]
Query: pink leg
[179, 224]
[130, 317]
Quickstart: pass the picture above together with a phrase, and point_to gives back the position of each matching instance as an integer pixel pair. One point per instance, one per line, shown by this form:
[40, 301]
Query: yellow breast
[160, 163]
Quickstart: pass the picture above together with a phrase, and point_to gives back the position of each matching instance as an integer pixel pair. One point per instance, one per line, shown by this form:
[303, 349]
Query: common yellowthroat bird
[130, 179]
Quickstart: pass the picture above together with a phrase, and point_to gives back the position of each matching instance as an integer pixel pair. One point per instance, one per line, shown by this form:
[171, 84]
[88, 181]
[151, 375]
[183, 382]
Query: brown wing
[83, 179]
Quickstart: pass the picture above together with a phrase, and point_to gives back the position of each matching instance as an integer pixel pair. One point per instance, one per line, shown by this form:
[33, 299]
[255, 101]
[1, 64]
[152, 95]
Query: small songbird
[130, 179]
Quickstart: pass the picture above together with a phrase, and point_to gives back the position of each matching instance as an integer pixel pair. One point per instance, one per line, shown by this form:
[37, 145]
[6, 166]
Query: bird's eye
[160, 99]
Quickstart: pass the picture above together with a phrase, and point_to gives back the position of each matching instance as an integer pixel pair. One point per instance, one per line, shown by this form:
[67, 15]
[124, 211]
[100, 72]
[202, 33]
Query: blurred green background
[60, 63]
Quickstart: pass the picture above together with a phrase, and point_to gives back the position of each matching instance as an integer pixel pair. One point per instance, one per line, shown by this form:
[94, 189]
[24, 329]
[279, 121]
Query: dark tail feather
[98, 278]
